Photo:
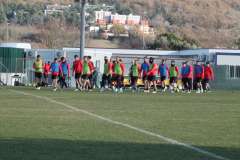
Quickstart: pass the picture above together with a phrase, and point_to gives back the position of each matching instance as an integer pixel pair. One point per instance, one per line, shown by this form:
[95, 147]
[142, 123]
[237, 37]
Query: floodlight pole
[7, 23]
[82, 28]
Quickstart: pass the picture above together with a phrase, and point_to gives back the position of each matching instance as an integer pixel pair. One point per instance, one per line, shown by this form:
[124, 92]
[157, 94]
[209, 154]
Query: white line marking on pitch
[169, 140]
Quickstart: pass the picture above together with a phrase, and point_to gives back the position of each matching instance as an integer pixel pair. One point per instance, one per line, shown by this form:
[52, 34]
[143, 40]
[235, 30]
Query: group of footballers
[196, 76]
[60, 71]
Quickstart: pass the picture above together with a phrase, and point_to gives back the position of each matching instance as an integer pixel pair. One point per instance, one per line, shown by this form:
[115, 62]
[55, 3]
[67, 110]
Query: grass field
[36, 128]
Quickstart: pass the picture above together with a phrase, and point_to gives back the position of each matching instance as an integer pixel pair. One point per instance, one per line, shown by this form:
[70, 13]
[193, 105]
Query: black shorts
[163, 78]
[78, 75]
[173, 79]
[185, 80]
[106, 77]
[38, 75]
[54, 77]
[206, 80]
[114, 78]
[198, 80]
[119, 78]
[133, 78]
[109, 78]
[152, 78]
[90, 77]
[45, 75]
[122, 78]
[144, 78]
[85, 77]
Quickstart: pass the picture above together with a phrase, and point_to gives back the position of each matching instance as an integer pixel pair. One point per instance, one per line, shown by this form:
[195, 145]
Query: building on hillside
[106, 34]
[118, 19]
[106, 17]
[133, 20]
[94, 29]
[103, 17]
[145, 27]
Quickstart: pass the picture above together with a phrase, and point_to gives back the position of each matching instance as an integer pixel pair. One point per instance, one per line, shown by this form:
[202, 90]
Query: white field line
[166, 139]
[187, 103]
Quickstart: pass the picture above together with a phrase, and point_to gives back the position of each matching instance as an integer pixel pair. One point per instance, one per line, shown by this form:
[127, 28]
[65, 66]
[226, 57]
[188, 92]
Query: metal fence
[227, 77]
[4, 73]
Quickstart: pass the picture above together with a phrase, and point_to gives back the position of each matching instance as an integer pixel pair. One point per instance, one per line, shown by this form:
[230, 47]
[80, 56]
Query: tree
[3, 16]
[122, 9]
[71, 16]
[173, 42]
[138, 39]
[51, 33]
[237, 43]
[118, 29]
[23, 17]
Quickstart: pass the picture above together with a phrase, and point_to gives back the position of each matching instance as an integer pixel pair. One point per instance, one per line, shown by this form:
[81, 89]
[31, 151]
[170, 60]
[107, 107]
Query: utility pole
[7, 23]
[144, 18]
[143, 38]
[143, 35]
[7, 32]
[82, 27]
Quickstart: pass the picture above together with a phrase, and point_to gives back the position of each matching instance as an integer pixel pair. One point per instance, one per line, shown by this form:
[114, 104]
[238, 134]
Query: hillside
[212, 23]
[40, 1]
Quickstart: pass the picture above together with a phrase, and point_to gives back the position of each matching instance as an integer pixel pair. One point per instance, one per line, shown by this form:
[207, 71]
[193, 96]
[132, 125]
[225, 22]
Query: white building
[133, 19]
[94, 29]
[119, 19]
[106, 17]
[103, 17]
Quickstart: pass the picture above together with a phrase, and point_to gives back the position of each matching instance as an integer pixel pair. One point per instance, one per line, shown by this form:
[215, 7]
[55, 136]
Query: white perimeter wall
[228, 60]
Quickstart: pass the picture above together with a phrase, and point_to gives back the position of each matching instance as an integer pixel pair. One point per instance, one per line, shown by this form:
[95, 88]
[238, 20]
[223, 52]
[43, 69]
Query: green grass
[34, 129]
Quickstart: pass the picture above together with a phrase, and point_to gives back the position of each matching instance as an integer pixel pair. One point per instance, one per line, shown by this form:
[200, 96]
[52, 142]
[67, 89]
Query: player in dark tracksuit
[187, 75]
[198, 76]
[65, 72]
[106, 77]
[163, 72]
[144, 71]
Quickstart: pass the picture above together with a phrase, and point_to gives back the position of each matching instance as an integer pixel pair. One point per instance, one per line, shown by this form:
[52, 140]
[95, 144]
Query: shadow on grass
[56, 149]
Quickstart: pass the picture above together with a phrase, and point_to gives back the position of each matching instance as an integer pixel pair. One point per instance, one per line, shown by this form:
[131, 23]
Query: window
[234, 72]
[238, 71]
